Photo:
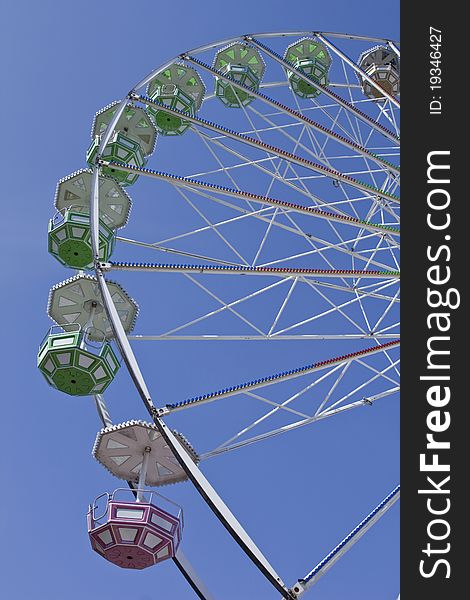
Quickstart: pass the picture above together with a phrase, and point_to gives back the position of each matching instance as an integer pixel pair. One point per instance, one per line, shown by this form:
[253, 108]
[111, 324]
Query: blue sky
[62, 62]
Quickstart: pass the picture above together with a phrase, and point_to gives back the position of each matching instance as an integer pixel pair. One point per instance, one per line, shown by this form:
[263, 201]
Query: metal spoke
[346, 544]
[273, 411]
[297, 424]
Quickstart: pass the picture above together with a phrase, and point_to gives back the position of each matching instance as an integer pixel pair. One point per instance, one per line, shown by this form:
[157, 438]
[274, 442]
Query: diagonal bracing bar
[346, 544]
[270, 379]
[325, 90]
[226, 191]
[295, 114]
[232, 445]
[292, 158]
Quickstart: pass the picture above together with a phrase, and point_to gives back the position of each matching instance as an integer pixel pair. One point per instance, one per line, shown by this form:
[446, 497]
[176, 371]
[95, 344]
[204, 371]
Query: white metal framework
[285, 212]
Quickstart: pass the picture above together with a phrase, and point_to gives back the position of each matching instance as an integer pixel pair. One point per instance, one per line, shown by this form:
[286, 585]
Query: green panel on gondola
[243, 64]
[71, 367]
[312, 58]
[171, 96]
[69, 240]
[232, 96]
[180, 88]
[119, 149]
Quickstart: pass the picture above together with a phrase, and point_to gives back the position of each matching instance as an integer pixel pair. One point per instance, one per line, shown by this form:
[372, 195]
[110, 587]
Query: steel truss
[370, 245]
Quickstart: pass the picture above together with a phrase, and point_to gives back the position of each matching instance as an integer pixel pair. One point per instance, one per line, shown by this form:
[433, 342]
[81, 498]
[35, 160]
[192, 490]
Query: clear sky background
[62, 61]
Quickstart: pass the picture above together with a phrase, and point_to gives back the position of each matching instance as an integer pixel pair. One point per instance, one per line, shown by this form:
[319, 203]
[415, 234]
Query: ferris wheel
[265, 173]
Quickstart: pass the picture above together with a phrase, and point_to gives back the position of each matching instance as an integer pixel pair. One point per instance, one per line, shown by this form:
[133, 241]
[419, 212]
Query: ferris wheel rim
[241, 37]
[123, 342]
[133, 96]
